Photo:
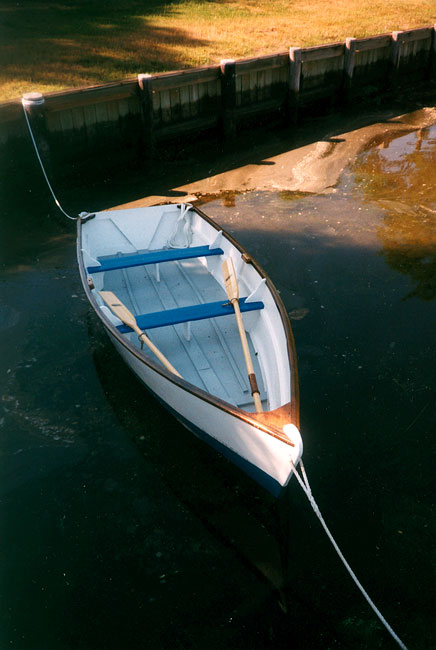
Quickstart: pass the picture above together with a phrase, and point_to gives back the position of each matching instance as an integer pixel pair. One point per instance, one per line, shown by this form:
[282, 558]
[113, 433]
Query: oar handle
[249, 364]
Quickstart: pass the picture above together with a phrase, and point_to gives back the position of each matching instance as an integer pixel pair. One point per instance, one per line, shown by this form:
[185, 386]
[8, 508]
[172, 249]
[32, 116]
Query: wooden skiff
[165, 266]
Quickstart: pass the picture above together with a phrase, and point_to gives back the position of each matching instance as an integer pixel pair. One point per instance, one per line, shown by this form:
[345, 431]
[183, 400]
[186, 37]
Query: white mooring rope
[304, 483]
[43, 169]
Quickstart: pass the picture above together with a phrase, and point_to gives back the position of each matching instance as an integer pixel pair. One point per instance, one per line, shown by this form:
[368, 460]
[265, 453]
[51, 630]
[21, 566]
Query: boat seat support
[111, 263]
[191, 313]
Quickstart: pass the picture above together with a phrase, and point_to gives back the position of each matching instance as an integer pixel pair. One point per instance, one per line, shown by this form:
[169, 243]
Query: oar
[232, 289]
[128, 319]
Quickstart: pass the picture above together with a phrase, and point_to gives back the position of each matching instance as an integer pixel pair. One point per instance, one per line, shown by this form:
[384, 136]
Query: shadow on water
[106, 542]
[99, 552]
[123, 530]
[356, 270]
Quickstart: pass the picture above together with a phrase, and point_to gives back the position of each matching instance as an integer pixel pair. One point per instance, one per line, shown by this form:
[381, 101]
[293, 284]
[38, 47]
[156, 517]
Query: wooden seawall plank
[155, 107]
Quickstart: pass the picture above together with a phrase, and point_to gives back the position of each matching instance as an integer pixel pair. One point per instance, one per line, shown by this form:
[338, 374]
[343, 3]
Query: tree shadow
[49, 45]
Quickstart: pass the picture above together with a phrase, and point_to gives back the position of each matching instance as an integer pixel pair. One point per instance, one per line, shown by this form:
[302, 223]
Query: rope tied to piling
[305, 486]
[82, 214]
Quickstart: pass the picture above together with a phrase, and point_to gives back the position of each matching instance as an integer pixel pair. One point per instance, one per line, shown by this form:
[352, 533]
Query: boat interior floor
[207, 353]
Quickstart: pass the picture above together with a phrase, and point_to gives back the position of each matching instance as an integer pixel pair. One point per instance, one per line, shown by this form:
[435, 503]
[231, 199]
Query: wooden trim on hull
[277, 419]
[255, 473]
[292, 351]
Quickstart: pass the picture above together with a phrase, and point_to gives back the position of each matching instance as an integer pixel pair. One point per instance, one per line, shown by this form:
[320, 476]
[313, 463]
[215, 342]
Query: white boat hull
[266, 459]
[185, 289]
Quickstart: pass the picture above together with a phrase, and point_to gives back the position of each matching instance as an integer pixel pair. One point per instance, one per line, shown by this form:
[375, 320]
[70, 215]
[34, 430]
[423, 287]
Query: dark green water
[120, 530]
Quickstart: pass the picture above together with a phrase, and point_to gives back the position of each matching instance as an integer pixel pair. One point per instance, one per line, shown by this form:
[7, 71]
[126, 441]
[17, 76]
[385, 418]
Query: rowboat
[201, 324]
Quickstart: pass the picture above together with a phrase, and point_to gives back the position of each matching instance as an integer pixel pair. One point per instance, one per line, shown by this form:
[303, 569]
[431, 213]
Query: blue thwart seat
[153, 257]
[191, 313]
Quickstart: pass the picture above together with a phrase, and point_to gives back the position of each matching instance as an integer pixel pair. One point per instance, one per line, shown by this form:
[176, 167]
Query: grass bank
[49, 46]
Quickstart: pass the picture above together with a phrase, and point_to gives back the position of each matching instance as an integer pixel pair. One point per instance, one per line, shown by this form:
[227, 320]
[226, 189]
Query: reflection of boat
[164, 265]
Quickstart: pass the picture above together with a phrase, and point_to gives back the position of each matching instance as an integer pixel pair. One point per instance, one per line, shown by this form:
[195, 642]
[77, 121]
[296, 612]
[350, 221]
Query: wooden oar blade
[119, 309]
[230, 280]
[128, 319]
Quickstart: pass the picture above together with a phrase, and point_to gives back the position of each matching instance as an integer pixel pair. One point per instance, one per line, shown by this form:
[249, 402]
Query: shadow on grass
[49, 45]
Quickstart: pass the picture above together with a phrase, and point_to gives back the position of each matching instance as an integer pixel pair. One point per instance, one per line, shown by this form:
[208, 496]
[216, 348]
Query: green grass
[49, 46]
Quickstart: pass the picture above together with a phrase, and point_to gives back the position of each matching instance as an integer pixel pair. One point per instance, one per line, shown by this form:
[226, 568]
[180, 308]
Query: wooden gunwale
[291, 348]
[10, 111]
[92, 95]
[412, 35]
[373, 43]
[322, 52]
[171, 80]
[267, 62]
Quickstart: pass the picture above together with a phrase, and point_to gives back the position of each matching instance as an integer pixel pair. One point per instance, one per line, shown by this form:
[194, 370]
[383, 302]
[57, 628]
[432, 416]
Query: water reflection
[105, 539]
[397, 175]
[342, 261]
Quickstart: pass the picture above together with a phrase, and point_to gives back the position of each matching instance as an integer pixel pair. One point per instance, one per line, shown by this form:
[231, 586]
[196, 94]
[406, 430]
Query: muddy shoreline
[300, 166]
